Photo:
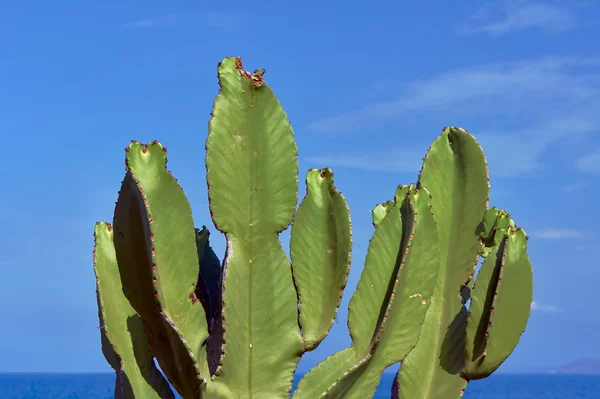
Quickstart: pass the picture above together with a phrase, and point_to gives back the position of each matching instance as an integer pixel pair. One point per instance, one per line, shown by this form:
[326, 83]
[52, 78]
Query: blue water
[96, 386]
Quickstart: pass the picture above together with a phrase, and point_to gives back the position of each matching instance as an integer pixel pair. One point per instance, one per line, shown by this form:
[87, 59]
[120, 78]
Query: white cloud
[544, 308]
[590, 163]
[224, 21]
[552, 98]
[499, 88]
[163, 20]
[392, 160]
[576, 186]
[501, 17]
[517, 152]
[221, 21]
[556, 233]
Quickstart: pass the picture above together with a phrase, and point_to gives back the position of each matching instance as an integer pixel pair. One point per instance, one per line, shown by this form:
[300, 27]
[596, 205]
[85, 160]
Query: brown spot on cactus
[193, 297]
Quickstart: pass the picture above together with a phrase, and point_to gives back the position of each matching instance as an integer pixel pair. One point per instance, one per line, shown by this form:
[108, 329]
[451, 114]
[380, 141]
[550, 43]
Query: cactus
[459, 344]
[238, 329]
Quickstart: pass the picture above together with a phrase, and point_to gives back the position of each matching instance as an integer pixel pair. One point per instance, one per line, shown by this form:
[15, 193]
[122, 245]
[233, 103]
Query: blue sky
[366, 88]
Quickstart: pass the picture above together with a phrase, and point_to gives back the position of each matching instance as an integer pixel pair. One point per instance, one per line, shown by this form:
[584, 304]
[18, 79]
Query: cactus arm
[455, 173]
[208, 291]
[500, 304]
[124, 344]
[158, 261]
[331, 375]
[412, 297]
[252, 171]
[369, 304]
[320, 245]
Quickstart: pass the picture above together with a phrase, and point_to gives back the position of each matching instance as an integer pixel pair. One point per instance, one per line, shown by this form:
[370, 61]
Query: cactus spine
[238, 330]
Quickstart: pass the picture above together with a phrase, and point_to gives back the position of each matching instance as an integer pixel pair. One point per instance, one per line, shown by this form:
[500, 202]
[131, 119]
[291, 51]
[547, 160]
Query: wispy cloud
[501, 17]
[544, 308]
[225, 21]
[154, 22]
[498, 88]
[576, 186]
[590, 163]
[222, 21]
[566, 88]
[558, 233]
[397, 160]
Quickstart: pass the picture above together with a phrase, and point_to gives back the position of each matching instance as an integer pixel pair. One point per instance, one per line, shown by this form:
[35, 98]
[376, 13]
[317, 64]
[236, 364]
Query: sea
[500, 386]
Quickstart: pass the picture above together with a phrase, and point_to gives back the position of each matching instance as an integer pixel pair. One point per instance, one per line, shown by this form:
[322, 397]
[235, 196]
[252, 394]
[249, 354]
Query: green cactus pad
[157, 255]
[251, 157]
[500, 304]
[124, 344]
[412, 296]
[252, 174]
[369, 304]
[333, 376]
[320, 245]
[455, 173]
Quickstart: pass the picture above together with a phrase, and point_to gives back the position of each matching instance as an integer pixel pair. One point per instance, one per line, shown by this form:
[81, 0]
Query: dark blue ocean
[501, 386]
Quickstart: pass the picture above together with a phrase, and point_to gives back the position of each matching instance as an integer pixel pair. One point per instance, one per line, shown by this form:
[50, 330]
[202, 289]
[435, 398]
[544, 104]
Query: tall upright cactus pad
[123, 341]
[157, 255]
[238, 329]
[251, 171]
[321, 242]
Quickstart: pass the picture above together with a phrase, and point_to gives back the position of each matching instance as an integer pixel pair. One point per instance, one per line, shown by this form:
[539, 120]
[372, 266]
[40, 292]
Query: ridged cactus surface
[123, 341]
[320, 250]
[238, 328]
[251, 171]
[454, 338]
[389, 306]
[497, 315]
